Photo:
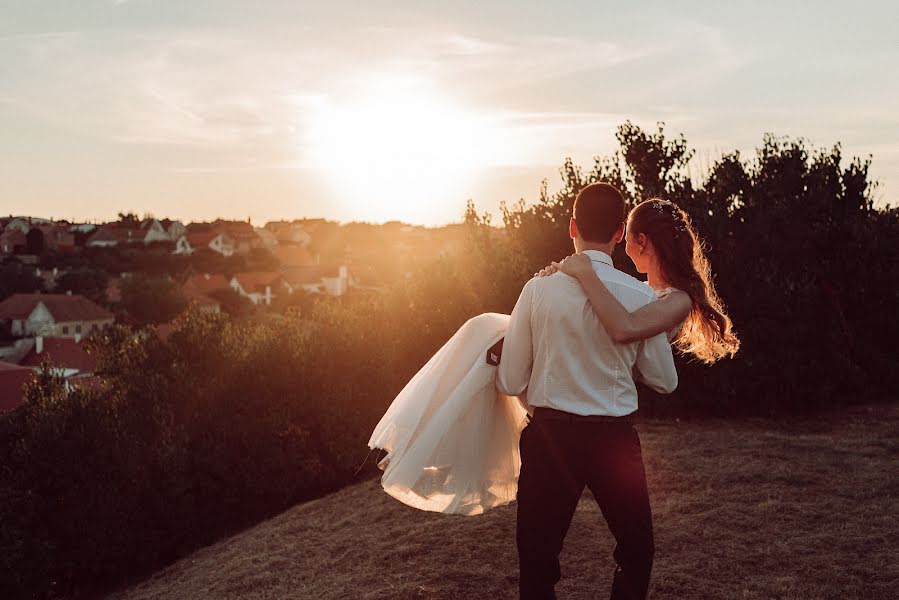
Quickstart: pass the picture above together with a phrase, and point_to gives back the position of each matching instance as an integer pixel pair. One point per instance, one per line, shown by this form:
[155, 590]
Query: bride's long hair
[708, 332]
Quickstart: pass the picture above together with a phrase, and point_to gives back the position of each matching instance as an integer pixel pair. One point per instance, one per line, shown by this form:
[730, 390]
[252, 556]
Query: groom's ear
[619, 234]
[572, 228]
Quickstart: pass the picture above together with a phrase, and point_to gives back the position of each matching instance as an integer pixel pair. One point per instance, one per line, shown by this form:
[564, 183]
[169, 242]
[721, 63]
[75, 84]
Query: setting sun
[401, 150]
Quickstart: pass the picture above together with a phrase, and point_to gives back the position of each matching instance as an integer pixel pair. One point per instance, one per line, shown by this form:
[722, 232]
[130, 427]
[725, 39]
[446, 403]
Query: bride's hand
[576, 265]
[548, 270]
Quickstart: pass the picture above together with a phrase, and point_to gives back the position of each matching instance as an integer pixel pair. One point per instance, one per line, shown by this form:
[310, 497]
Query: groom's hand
[495, 353]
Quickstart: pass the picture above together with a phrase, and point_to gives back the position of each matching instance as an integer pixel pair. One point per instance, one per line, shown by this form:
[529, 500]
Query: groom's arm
[514, 371]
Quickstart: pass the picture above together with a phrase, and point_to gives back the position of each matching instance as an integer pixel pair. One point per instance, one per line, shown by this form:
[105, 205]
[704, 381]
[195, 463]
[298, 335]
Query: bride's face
[636, 250]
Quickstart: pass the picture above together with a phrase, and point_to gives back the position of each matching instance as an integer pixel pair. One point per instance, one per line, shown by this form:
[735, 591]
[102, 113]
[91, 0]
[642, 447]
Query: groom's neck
[580, 246]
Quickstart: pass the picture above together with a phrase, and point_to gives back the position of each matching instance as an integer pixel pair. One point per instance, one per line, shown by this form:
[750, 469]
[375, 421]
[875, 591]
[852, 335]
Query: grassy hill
[795, 509]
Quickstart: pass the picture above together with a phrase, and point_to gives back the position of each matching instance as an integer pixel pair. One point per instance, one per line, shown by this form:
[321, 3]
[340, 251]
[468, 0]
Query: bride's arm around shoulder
[622, 325]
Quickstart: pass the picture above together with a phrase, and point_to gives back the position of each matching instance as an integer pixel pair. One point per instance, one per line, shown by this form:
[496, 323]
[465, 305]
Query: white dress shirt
[557, 350]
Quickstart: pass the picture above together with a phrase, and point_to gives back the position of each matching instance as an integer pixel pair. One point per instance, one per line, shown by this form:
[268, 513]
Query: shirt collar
[599, 256]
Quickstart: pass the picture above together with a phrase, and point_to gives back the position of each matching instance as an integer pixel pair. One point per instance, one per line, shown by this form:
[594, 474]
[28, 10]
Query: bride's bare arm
[623, 326]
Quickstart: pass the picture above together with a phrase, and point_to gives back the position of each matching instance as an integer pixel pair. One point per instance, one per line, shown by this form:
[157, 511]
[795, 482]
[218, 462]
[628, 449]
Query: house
[67, 355]
[13, 379]
[21, 224]
[68, 358]
[260, 286]
[81, 233]
[242, 233]
[207, 283]
[287, 232]
[196, 291]
[339, 283]
[205, 238]
[267, 237]
[151, 231]
[173, 229]
[68, 315]
[315, 279]
[12, 241]
[56, 237]
[306, 278]
[112, 234]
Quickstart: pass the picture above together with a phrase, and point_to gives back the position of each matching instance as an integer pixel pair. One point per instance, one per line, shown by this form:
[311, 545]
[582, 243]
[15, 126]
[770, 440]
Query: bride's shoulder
[671, 291]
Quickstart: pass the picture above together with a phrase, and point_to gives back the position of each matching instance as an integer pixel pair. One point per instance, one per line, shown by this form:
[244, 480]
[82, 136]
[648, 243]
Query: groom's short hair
[599, 210]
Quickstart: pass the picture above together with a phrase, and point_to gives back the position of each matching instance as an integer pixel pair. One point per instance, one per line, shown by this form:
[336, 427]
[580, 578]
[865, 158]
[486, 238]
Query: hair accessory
[679, 223]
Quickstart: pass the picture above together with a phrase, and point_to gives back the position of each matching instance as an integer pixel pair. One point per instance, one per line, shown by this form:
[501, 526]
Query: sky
[377, 111]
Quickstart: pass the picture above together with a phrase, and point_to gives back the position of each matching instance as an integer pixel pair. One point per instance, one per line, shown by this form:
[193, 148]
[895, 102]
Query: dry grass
[800, 509]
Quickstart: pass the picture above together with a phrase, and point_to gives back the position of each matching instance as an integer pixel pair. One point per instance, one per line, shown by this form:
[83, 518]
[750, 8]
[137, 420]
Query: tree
[148, 299]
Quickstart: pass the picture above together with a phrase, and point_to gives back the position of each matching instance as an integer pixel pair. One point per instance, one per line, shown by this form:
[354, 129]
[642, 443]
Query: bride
[451, 437]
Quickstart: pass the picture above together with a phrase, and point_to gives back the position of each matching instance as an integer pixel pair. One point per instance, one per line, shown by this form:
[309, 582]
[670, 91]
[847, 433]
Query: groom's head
[598, 220]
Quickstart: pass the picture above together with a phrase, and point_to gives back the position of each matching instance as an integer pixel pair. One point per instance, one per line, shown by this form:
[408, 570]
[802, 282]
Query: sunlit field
[747, 509]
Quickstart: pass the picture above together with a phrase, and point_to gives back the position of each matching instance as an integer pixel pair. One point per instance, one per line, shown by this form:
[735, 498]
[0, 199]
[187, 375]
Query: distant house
[207, 283]
[205, 238]
[308, 278]
[67, 355]
[151, 231]
[81, 233]
[57, 237]
[12, 385]
[12, 241]
[112, 234]
[243, 235]
[260, 286]
[22, 224]
[67, 315]
[289, 232]
[173, 229]
[267, 237]
[339, 283]
[197, 288]
[335, 281]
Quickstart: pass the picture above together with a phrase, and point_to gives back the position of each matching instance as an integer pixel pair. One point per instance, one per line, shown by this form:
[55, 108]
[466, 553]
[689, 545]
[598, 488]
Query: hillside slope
[743, 509]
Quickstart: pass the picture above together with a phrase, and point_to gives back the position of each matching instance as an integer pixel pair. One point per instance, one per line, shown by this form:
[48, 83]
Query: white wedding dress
[451, 438]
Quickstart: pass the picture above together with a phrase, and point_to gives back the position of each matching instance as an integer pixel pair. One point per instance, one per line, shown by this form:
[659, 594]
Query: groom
[581, 387]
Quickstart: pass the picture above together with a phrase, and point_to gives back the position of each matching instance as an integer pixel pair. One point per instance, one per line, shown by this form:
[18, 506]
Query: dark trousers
[560, 454]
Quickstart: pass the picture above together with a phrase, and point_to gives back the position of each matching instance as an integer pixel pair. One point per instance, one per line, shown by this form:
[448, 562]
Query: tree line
[231, 419]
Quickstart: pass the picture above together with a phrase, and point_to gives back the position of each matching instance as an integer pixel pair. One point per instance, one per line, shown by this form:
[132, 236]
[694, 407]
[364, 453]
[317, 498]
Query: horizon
[402, 112]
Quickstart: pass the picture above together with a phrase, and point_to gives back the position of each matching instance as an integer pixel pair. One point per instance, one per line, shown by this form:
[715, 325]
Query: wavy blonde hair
[708, 332]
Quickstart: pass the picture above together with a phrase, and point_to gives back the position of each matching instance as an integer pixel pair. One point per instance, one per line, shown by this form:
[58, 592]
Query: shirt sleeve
[514, 371]
[655, 364]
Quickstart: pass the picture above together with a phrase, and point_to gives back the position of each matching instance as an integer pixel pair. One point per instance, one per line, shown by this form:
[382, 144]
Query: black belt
[544, 412]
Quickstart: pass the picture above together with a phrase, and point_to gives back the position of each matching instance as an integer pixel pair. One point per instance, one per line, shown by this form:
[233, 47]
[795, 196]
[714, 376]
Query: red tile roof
[253, 281]
[63, 307]
[196, 296]
[201, 239]
[12, 385]
[112, 232]
[61, 352]
[207, 283]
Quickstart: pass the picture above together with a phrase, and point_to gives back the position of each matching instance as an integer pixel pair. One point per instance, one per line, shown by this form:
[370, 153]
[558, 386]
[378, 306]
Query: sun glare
[400, 151]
